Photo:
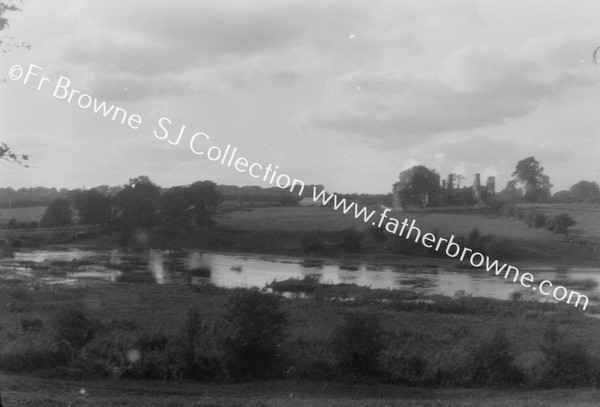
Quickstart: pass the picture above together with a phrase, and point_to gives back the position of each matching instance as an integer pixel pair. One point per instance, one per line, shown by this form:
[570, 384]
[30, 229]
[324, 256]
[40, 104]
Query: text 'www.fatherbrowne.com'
[408, 230]
[200, 144]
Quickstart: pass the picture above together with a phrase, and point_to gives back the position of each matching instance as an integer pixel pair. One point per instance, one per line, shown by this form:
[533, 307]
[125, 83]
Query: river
[76, 266]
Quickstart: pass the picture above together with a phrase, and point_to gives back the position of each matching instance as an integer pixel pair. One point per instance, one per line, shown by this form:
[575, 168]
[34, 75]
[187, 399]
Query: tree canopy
[58, 213]
[585, 191]
[418, 186]
[537, 185]
[137, 203]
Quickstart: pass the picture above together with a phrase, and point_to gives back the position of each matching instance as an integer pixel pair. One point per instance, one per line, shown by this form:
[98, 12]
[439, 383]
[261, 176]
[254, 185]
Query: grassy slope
[537, 245]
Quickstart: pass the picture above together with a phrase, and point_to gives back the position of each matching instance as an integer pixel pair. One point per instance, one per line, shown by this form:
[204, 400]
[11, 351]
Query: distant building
[484, 195]
[309, 202]
[447, 192]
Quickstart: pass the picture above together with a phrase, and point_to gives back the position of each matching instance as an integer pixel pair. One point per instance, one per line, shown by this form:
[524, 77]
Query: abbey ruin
[419, 186]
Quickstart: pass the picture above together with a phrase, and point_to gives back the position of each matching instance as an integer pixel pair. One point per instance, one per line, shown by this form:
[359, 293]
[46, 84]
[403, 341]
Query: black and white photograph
[273, 203]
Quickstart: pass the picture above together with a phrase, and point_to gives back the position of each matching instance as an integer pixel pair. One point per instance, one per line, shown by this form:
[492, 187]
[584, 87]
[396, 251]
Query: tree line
[420, 186]
[138, 208]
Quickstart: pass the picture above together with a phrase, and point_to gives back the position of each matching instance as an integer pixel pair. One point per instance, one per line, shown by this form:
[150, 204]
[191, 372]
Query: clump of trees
[140, 208]
[418, 186]
[530, 174]
[582, 192]
[57, 214]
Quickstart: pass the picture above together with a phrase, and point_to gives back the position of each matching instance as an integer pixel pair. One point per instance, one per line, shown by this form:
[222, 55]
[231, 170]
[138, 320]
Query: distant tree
[183, 211]
[205, 199]
[537, 185]
[511, 193]
[586, 191]
[137, 203]
[93, 207]
[418, 186]
[563, 197]
[58, 213]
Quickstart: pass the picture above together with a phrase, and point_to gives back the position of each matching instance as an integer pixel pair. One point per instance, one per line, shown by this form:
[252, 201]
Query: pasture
[535, 244]
[326, 219]
[30, 214]
[291, 219]
[587, 217]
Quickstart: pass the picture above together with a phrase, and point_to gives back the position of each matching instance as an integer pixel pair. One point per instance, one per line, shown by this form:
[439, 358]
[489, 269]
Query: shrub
[351, 240]
[408, 369]
[312, 242]
[378, 233]
[406, 247]
[310, 358]
[536, 219]
[478, 242]
[493, 362]
[358, 343]
[74, 327]
[257, 329]
[501, 248]
[568, 362]
[508, 209]
[560, 223]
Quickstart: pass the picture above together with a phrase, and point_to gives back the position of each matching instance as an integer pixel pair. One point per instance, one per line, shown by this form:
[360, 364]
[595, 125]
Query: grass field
[30, 214]
[328, 219]
[300, 219]
[536, 244]
[587, 217]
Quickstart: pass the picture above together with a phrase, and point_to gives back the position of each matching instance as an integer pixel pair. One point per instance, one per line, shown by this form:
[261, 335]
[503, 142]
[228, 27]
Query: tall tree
[418, 185]
[184, 211]
[137, 203]
[58, 213]
[93, 207]
[537, 185]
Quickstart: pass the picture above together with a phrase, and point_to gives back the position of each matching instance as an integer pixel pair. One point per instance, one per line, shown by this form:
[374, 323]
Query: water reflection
[195, 267]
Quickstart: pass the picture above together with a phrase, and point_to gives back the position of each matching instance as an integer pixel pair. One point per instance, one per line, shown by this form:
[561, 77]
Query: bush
[406, 367]
[378, 234]
[508, 209]
[358, 343]
[312, 242]
[560, 223]
[257, 329]
[493, 362]
[351, 240]
[536, 219]
[501, 248]
[478, 242]
[74, 327]
[568, 362]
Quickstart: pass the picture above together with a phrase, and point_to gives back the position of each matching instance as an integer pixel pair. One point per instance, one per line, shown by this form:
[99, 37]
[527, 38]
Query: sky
[341, 93]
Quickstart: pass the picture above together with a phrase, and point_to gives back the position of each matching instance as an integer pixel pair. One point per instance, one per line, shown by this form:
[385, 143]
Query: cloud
[477, 87]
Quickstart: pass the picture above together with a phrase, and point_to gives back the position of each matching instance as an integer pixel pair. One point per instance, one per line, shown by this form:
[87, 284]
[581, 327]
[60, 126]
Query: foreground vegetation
[19, 391]
[341, 334]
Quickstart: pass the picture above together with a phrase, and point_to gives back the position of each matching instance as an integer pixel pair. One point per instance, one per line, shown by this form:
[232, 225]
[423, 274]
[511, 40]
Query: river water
[74, 266]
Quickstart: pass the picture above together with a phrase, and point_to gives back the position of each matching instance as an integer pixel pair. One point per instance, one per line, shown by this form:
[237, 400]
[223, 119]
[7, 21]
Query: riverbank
[138, 330]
